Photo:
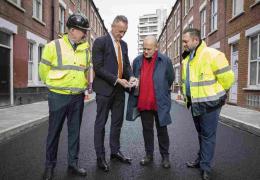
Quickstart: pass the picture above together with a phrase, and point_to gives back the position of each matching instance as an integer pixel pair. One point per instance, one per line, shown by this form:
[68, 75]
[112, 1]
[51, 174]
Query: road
[236, 157]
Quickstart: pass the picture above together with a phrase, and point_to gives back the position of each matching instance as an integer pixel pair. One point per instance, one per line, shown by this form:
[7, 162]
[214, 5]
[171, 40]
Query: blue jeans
[206, 126]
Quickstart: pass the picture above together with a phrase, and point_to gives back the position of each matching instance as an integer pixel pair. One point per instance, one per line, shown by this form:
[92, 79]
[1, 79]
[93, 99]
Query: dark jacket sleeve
[170, 72]
[127, 73]
[98, 53]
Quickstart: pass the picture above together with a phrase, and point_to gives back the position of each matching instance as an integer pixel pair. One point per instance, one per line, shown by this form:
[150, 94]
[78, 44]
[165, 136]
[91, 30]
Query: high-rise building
[150, 24]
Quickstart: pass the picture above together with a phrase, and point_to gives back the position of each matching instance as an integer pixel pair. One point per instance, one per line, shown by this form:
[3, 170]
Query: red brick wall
[240, 24]
[20, 61]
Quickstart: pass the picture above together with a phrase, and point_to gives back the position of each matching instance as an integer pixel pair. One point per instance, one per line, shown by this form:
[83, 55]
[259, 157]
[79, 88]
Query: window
[40, 49]
[30, 62]
[254, 60]
[177, 74]
[190, 25]
[178, 45]
[37, 9]
[178, 17]
[188, 5]
[203, 23]
[238, 6]
[35, 48]
[17, 2]
[4, 39]
[61, 19]
[214, 15]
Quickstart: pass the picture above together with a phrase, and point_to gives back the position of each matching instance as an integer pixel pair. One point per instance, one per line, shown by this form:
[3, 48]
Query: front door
[5, 77]
[234, 66]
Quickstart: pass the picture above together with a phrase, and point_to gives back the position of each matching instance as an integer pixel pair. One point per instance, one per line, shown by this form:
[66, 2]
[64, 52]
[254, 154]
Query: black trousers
[148, 118]
[62, 107]
[114, 103]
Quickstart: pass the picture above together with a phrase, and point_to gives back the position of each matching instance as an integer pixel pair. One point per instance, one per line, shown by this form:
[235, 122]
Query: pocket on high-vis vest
[57, 74]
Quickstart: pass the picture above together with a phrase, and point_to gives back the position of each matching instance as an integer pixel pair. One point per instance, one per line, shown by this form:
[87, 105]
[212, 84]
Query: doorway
[5, 76]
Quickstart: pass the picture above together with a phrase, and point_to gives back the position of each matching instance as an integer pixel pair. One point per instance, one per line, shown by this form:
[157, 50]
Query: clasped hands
[133, 82]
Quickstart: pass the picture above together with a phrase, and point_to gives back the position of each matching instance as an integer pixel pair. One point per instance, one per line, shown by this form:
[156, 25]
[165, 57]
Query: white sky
[132, 9]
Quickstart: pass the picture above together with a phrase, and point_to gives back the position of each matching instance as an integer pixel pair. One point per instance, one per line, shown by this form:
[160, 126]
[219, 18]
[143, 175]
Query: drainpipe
[53, 19]
[179, 80]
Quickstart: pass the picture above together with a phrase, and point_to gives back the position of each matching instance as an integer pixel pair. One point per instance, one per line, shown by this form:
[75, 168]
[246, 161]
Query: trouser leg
[74, 120]
[57, 113]
[147, 118]
[117, 116]
[163, 137]
[208, 124]
[196, 120]
[103, 107]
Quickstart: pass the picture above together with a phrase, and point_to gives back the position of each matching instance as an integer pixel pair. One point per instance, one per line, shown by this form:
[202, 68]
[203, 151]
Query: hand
[133, 82]
[123, 82]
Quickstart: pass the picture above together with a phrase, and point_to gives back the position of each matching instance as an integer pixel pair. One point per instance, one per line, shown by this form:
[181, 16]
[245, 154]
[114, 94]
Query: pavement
[235, 116]
[16, 119]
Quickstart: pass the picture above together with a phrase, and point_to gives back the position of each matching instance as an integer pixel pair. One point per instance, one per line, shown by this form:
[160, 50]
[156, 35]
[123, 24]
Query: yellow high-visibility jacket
[210, 78]
[64, 70]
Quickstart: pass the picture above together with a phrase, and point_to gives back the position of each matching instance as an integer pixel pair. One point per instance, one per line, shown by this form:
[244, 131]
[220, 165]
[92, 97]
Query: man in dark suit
[112, 75]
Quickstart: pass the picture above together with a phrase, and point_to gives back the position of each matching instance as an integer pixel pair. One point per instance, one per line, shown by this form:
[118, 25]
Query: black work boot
[48, 173]
[148, 159]
[165, 161]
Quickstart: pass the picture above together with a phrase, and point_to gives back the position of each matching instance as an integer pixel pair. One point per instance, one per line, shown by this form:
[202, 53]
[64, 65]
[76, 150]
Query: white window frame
[178, 16]
[257, 60]
[190, 22]
[17, 3]
[214, 15]
[177, 72]
[37, 42]
[188, 5]
[61, 19]
[35, 3]
[235, 10]
[31, 50]
[203, 23]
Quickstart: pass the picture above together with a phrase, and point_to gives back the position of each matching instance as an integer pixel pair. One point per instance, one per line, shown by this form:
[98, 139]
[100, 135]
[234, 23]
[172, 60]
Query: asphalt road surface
[237, 155]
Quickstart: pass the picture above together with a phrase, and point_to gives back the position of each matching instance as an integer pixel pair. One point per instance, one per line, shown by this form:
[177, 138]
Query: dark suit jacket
[106, 66]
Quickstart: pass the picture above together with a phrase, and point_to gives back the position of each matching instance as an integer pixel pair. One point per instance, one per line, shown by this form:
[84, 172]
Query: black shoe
[120, 157]
[193, 164]
[205, 175]
[77, 170]
[148, 159]
[166, 162]
[102, 164]
[48, 173]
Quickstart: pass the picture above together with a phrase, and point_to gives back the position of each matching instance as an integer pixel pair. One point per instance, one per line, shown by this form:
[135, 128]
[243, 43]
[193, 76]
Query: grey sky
[108, 9]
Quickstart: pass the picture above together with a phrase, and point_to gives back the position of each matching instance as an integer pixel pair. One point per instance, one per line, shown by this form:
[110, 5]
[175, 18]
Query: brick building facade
[25, 27]
[232, 27]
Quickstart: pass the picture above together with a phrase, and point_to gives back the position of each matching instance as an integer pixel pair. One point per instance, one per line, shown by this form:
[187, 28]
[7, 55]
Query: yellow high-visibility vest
[210, 77]
[64, 70]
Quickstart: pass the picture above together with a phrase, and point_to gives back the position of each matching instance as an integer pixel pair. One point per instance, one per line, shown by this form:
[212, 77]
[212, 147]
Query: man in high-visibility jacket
[63, 69]
[206, 79]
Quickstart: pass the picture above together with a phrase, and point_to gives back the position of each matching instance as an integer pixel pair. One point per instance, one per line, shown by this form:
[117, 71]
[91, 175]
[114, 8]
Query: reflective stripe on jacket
[62, 69]
[210, 78]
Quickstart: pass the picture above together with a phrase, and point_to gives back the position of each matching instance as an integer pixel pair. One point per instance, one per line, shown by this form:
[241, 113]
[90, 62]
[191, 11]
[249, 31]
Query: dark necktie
[74, 46]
